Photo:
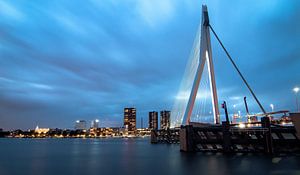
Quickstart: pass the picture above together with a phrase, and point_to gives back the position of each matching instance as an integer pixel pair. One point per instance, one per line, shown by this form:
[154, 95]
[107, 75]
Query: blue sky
[68, 60]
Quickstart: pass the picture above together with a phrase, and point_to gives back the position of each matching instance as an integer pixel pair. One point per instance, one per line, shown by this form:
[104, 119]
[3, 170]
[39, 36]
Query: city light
[242, 125]
[296, 89]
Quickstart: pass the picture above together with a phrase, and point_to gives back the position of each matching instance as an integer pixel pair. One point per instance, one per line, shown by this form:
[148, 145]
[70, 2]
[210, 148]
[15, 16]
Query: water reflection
[128, 156]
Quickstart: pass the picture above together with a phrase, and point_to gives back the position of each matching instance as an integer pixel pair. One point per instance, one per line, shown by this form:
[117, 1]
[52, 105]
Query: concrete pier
[229, 138]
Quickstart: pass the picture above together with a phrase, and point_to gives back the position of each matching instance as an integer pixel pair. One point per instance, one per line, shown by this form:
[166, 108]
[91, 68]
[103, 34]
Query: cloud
[80, 60]
[10, 11]
[155, 12]
[41, 86]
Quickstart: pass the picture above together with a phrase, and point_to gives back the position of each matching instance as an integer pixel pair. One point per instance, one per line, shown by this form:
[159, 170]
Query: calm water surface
[128, 157]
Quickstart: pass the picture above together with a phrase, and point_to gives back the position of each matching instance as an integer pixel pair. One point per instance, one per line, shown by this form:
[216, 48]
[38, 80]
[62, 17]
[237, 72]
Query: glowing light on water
[242, 125]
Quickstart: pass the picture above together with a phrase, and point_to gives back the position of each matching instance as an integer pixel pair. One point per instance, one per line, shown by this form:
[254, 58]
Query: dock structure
[170, 136]
[229, 138]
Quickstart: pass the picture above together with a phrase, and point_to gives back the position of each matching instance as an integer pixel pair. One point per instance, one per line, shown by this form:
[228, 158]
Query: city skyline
[61, 64]
[130, 118]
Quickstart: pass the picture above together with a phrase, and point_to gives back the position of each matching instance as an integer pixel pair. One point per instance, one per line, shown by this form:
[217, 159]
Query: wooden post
[226, 137]
[296, 121]
[154, 136]
[186, 139]
[268, 145]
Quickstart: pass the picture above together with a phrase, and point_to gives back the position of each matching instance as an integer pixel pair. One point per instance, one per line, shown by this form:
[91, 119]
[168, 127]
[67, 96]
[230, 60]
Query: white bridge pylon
[201, 54]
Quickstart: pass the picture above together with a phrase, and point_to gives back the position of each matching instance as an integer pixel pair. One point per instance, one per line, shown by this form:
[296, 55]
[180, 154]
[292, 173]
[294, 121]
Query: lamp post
[296, 90]
[224, 106]
[234, 106]
[272, 107]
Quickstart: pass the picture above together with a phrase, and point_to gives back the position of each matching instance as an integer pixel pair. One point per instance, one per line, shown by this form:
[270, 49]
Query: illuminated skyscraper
[95, 124]
[165, 119]
[130, 119]
[153, 120]
[80, 125]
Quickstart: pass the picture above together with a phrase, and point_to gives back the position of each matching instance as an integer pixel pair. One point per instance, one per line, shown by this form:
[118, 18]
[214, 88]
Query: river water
[134, 156]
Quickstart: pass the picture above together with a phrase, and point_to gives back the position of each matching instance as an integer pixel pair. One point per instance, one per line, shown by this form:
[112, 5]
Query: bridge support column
[268, 145]
[186, 139]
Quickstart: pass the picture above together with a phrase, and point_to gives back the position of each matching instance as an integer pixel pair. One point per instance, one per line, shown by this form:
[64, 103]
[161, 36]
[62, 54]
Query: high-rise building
[165, 119]
[95, 124]
[153, 120]
[130, 119]
[80, 125]
[142, 123]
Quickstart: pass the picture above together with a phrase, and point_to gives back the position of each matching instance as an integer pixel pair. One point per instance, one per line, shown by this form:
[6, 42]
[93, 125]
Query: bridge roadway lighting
[296, 90]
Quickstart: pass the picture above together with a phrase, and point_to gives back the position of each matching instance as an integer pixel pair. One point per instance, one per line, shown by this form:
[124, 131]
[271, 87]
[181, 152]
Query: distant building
[80, 125]
[142, 123]
[95, 124]
[165, 119]
[130, 119]
[153, 120]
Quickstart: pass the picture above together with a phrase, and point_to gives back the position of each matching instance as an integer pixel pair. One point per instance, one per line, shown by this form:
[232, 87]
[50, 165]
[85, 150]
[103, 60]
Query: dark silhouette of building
[165, 119]
[95, 124]
[142, 123]
[80, 125]
[153, 120]
[130, 119]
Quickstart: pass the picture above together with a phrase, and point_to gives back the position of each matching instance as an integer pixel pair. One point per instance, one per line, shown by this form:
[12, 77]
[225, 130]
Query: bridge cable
[237, 69]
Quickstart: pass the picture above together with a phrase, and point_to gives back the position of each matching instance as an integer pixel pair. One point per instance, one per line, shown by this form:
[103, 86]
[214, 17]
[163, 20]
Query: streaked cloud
[8, 10]
[155, 12]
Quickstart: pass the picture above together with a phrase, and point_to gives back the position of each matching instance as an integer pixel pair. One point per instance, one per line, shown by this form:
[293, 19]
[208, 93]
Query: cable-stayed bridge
[193, 104]
[198, 90]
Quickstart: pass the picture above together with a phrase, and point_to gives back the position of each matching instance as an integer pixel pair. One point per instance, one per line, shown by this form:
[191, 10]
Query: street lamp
[272, 107]
[296, 90]
[234, 106]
